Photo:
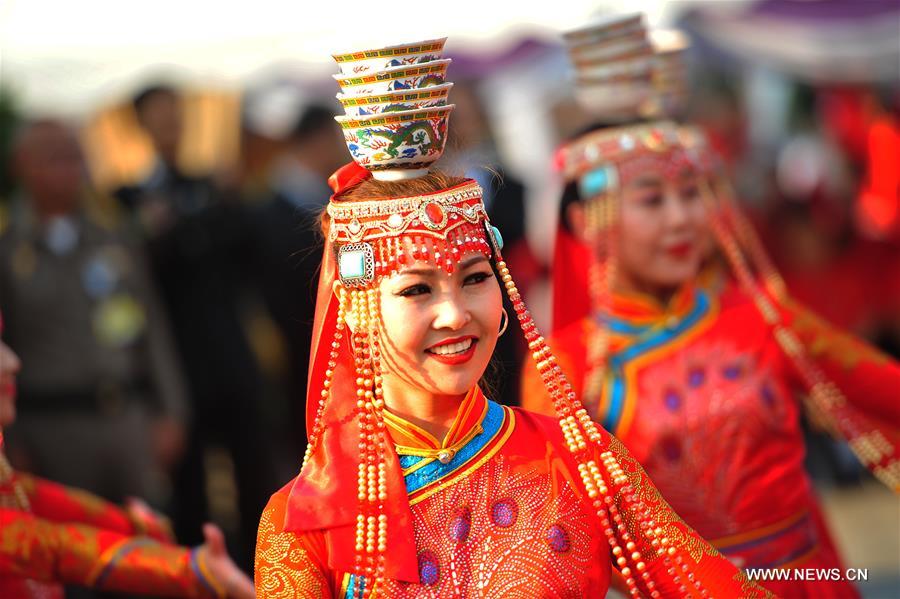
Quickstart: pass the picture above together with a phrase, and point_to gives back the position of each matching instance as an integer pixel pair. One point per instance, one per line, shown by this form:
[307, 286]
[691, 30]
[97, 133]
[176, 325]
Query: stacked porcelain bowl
[670, 74]
[614, 63]
[395, 100]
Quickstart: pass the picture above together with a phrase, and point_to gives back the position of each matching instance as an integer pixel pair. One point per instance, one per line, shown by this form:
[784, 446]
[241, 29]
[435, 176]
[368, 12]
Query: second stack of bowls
[613, 62]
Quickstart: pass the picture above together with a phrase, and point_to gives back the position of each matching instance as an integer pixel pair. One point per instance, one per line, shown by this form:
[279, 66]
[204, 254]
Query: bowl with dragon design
[407, 140]
[416, 76]
[407, 99]
[379, 59]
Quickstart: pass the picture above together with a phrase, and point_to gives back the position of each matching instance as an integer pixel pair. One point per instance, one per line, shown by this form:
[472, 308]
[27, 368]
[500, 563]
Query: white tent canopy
[71, 57]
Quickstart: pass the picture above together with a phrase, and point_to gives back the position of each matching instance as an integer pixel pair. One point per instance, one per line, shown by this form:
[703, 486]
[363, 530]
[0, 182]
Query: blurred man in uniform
[103, 402]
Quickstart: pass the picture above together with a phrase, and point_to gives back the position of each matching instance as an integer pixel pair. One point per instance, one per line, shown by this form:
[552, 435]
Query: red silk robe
[505, 517]
[705, 400]
[68, 536]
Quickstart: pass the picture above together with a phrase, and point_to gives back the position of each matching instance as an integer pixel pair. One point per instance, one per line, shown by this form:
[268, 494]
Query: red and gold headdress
[378, 237]
[351, 485]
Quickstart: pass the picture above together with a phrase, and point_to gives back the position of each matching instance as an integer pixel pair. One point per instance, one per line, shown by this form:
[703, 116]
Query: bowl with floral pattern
[606, 28]
[379, 59]
[415, 76]
[397, 141]
[407, 99]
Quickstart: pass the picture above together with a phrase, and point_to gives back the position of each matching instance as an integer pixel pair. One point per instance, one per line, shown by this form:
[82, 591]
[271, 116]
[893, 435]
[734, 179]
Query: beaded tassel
[746, 234]
[369, 441]
[377, 404]
[581, 434]
[444, 252]
[601, 214]
[869, 445]
[371, 522]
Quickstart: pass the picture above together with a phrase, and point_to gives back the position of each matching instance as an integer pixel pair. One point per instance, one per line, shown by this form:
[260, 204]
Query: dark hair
[373, 189]
[314, 119]
[140, 99]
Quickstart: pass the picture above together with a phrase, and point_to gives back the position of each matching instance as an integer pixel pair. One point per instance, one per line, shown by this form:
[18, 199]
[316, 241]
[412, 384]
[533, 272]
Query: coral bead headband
[376, 238]
[604, 160]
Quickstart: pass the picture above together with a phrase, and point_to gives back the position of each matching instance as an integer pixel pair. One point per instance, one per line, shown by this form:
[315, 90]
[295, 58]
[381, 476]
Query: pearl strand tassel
[582, 435]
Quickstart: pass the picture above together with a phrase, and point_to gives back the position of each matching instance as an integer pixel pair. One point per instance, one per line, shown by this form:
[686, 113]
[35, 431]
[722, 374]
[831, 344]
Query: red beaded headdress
[378, 237]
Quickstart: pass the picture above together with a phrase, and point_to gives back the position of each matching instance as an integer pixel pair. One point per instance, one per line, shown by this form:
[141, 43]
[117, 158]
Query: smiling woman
[702, 370]
[439, 319]
[416, 484]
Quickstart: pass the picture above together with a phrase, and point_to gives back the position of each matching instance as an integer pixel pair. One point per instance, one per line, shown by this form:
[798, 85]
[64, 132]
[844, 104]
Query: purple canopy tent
[837, 41]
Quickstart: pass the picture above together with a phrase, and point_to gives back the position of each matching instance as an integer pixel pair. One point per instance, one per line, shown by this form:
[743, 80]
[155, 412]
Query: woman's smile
[455, 350]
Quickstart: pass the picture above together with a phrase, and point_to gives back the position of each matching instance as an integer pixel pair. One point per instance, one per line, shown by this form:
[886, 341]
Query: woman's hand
[237, 584]
[148, 522]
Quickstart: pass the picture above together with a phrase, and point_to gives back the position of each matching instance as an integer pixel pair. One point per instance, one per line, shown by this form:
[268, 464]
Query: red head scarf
[324, 495]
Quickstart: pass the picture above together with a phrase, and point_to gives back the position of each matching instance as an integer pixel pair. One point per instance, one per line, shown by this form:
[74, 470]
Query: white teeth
[453, 348]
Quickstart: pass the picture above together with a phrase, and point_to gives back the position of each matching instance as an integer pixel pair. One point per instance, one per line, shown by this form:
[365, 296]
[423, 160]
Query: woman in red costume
[414, 483]
[699, 376]
[51, 535]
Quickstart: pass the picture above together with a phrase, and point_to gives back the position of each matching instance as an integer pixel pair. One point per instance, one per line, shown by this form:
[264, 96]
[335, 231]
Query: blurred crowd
[163, 313]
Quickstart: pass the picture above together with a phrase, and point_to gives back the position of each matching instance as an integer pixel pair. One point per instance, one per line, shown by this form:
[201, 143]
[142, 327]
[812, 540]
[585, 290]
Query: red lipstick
[455, 358]
[680, 250]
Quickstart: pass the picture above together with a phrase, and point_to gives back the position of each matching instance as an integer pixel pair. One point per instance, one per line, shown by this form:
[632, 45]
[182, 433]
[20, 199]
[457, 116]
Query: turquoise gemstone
[593, 183]
[497, 237]
[352, 265]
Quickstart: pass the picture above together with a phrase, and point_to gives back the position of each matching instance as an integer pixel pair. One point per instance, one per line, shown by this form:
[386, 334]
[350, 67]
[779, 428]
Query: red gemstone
[434, 213]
